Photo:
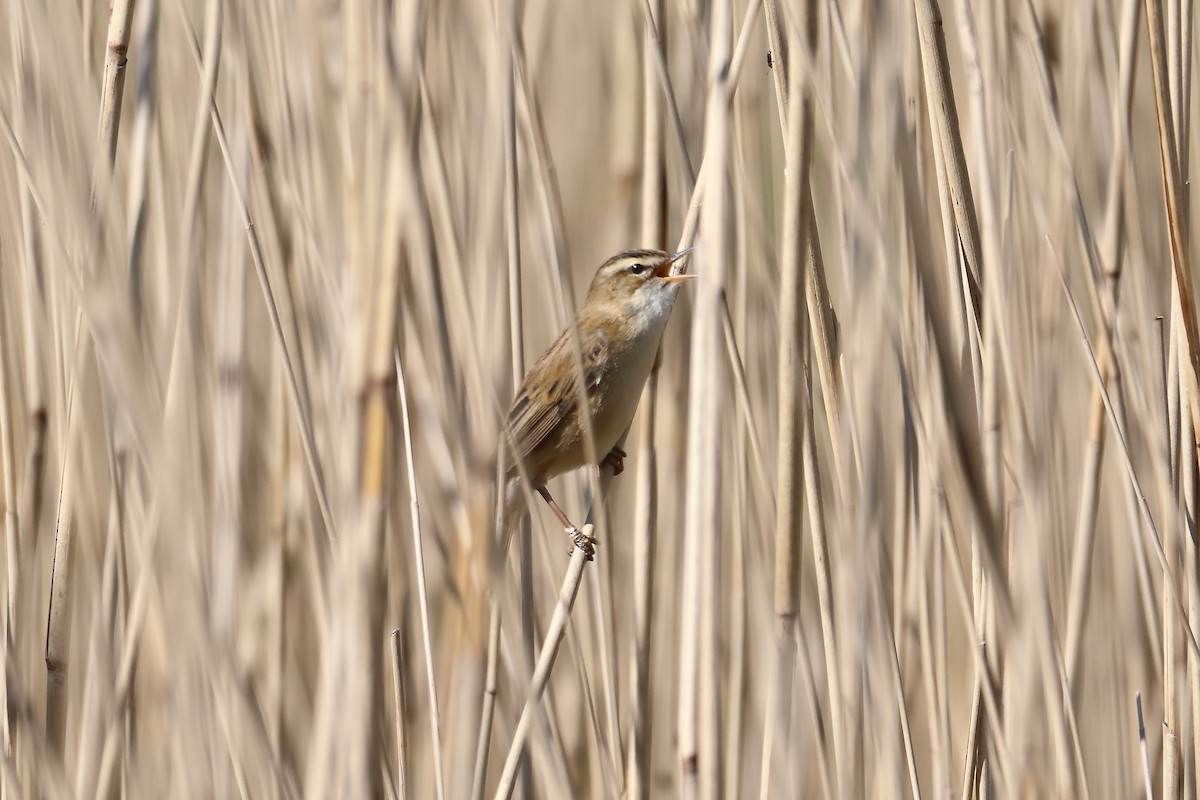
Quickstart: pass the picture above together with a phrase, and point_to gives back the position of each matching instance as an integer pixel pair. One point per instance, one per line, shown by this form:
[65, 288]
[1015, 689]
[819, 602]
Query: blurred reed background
[908, 508]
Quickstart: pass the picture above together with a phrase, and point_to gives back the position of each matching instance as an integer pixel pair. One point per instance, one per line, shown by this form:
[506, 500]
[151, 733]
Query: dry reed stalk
[1172, 592]
[508, 22]
[959, 462]
[1193, 664]
[897, 688]
[985, 692]
[944, 120]
[1054, 690]
[842, 759]
[545, 664]
[283, 572]
[812, 701]
[58, 627]
[437, 192]
[12, 522]
[58, 623]
[821, 316]
[757, 457]
[488, 710]
[607, 779]
[135, 617]
[264, 157]
[401, 714]
[546, 186]
[743, 499]
[1170, 148]
[1173, 387]
[793, 400]
[422, 589]
[208, 60]
[120, 27]
[145, 116]
[949, 153]
[352, 694]
[83, 350]
[267, 158]
[207, 114]
[658, 51]
[228, 410]
[1165, 394]
[653, 232]
[1179, 56]
[823, 322]
[930, 624]
[735, 713]
[644, 533]
[449, 248]
[1174, 531]
[928, 561]
[1080, 581]
[103, 650]
[992, 282]
[984, 708]
[1173, 189]
[296, 393]
[343, 749]
[12, 553]
[548, 747]
[780, 73]
[611, 750]
[32, 308]
[698, 743]
[796, 449]
[1147, 778]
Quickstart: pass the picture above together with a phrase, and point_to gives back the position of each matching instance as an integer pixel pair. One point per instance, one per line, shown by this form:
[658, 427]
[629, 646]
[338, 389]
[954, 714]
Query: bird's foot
[584, 542]
[615, 459]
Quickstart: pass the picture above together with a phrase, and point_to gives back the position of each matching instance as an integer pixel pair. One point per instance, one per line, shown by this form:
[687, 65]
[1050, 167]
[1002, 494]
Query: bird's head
[637, 280]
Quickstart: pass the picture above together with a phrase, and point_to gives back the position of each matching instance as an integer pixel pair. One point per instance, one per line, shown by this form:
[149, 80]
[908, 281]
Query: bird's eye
[638, 269]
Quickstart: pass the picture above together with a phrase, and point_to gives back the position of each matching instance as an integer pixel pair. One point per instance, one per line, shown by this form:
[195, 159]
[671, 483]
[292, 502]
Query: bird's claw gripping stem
[584, 542]
[615, 459]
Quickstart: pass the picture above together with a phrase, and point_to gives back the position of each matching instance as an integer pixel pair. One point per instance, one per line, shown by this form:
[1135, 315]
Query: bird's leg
[585, 543]
[615, 459]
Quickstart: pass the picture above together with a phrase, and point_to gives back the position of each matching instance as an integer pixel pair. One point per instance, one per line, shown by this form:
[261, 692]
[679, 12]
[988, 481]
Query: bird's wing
[542, 407]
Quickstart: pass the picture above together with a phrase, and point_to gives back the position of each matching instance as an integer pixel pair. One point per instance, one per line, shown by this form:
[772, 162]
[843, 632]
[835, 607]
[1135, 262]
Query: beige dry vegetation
[907, 509]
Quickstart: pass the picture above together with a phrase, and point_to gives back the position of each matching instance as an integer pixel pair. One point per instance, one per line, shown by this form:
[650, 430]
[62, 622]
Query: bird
[618, 329]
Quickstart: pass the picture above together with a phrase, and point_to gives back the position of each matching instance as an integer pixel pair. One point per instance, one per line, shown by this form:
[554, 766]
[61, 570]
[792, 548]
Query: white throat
[651, 308]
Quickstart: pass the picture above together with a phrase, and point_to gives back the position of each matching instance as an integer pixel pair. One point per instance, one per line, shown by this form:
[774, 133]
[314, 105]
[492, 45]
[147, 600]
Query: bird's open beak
[664, 269]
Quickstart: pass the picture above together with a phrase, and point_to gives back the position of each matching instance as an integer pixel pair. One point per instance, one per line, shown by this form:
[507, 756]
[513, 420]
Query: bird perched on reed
[618, 330]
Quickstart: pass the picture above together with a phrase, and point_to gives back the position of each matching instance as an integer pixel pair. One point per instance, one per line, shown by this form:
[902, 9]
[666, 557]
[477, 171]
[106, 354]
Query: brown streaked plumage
[619, 328]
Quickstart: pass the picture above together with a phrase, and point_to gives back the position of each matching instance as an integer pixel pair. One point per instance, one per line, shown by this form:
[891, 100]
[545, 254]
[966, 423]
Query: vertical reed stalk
[435, 720]
[401, 715]
[652, 233]
[58, 631]
[795, 415]
[699, 734]
[545, 664]
[1112, 261]
[948, 140]
[12, 549]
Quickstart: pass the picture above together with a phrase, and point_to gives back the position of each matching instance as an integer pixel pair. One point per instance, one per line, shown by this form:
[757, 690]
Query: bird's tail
[511, 510]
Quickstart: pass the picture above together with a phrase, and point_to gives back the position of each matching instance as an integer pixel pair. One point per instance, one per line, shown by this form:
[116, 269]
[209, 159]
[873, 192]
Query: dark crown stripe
[650, 255]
